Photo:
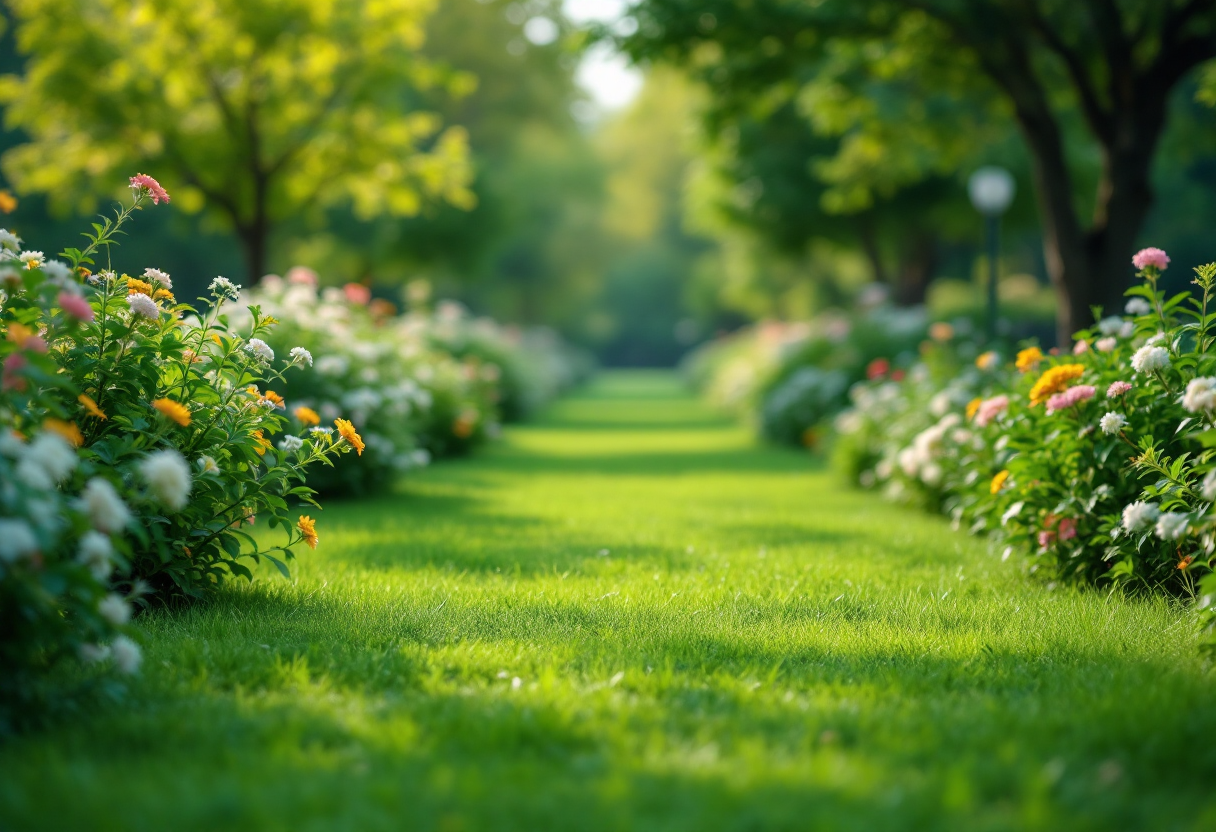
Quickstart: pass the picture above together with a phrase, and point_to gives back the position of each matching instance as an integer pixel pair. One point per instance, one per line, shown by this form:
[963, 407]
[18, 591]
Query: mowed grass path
[628, 616]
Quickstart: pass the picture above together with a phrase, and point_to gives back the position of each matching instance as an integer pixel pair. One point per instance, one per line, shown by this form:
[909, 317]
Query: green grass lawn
[628, 616]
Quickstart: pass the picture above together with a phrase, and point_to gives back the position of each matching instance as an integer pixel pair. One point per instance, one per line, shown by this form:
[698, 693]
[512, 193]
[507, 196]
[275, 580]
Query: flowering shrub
[793, 377]
[136, 441]
[416, 386]
[1098, 465]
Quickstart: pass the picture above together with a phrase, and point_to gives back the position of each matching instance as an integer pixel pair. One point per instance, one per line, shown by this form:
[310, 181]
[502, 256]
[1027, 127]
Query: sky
[604, 73]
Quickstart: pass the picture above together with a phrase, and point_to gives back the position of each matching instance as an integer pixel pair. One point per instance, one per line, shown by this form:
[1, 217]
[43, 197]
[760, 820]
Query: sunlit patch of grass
[628, 617]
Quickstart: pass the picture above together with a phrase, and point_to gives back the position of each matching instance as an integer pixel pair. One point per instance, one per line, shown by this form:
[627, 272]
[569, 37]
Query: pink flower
[1046, 538]
[1080, 348]
[1070, 397]
[74, 306]
[1068, 528]
[357, 293]
[1106, 344]
[1154, 257]
[302, 275]
[1117, 388]
[10, 378]
[989, 409]
[142, 182]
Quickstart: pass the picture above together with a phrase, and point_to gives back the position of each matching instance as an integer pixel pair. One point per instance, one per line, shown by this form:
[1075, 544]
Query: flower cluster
[134, 447]
[415, 386]
[1099, 467]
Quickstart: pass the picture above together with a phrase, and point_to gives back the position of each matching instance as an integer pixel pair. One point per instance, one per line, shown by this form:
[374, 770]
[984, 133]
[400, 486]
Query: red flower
[898, 375]
[877, 369]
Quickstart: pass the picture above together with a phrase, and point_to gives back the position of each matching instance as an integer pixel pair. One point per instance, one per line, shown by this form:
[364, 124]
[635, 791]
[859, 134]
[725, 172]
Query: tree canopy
[257, 110]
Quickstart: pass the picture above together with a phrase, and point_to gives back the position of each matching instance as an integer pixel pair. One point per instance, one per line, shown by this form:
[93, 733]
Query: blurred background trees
[778, 159]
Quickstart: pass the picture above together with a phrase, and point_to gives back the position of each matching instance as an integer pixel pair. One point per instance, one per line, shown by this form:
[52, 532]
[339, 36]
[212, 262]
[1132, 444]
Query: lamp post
[991, 190]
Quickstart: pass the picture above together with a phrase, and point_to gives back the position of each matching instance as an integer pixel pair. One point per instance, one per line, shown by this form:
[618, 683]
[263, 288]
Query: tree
[1113, 63]
[257, 110]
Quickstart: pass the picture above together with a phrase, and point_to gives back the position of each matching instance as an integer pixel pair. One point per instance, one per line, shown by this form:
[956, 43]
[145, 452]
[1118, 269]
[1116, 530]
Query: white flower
[115, 609]
[1105, 344]
[141, 304]
[299, 355]
[1209, 486]
[1128, 330]
[126, 655]
[1112, 422]
[1200, 394]
[94, 653]
[58, 272]
[1150, 358]
[222, 287]
[931, 474]
[103, 276]
[168, 475]
[10, 444]
[207, 465]
[291, 444]
[105, 508]
[1110, 326]
[94, 552]
[16, 540]
[326, 431]
[54, 454]
[260, 350]
[160, 277]
[1138, 307]
[34, 476]
[9, 240]
[1172, 525]
[1137, 515]
[1014, 511]
[32, 259]
[1155, 339]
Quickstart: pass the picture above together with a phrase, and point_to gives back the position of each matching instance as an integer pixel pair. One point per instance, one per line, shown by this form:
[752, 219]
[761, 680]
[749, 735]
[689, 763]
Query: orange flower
[137, 286]
[465, 423]
[90, 406]
[67, 430]
[275, 399]
[307, 416]
[986, 360]
[973, 406]
[998, 482]
[263, 442]
[1028, 359]
[941, 331]
[19, 333]
[308, 530]
[164, 294]
[174, 410]
[8, 203]
[348, 432]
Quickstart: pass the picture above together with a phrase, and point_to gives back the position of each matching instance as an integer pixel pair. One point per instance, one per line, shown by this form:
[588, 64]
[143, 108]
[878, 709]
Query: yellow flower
[307, 416]
[973, 406]
[19, 333]
[941, 331]
[263, 442]
[348, 432]
[308, 530]
[164, 294]
[1055, 380]
[998, 482]
[137, 286]
[8, 203]
[90, 406]
[275, 399]
[986, 360]
[177, 412]
[1028, 359]
[215, 336]
[67, 430]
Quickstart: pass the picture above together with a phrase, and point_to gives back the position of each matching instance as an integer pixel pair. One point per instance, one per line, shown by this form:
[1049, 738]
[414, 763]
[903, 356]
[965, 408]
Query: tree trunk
[253, 242]
[917, 261]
